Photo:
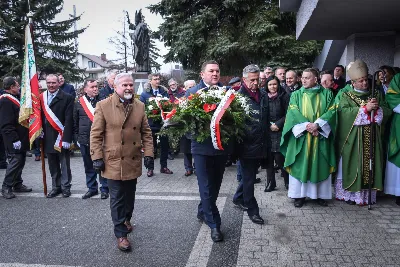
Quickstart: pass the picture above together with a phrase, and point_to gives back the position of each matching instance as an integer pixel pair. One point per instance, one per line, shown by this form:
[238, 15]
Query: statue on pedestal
[139, 33]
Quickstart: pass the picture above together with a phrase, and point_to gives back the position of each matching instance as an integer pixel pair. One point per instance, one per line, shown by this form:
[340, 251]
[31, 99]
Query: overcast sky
[104, 17]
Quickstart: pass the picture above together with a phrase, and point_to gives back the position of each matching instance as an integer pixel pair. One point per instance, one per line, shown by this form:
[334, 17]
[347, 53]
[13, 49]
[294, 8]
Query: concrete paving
[38, 232]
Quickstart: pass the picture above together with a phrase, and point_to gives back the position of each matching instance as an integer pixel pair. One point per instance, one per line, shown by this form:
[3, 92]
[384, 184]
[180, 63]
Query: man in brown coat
[119, 129]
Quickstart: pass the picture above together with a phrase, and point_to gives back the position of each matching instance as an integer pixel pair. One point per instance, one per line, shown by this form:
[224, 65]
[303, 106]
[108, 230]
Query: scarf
[273, 95]
[255, 95]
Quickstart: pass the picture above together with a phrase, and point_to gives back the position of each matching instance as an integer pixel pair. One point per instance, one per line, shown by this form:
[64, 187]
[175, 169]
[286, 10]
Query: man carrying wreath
[210, 162]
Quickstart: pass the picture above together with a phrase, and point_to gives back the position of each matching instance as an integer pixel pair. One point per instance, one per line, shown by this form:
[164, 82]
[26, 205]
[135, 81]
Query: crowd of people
[313, 126]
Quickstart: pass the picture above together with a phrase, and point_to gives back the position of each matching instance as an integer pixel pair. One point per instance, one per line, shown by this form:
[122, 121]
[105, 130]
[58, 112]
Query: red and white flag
[30, 110]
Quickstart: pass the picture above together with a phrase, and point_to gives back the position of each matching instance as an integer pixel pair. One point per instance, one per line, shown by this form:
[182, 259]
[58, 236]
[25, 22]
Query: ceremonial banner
[29, 114]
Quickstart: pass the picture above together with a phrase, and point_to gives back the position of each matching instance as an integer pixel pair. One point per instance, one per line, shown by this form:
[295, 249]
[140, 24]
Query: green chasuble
[309, 158]
[353, 141]
[393, 99]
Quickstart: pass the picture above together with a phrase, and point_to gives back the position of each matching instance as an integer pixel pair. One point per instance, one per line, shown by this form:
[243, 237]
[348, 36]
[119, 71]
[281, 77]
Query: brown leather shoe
[166, 171]
[123, 244]
[128, 226]
[188, 173]
[150, 173]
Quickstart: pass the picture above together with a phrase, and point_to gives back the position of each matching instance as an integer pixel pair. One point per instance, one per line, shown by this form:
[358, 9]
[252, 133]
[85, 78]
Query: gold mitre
[357, 70]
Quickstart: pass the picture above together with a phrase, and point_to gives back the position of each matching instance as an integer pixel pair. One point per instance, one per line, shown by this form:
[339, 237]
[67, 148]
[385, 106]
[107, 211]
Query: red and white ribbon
[216, 118]
[165, 116]
[53, 120]
[87, 107]
[11, 98]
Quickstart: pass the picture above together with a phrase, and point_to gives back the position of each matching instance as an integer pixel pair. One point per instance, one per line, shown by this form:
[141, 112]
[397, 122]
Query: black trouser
[91, 175]
[13, 177]
[122, 203]
[280, 160]
[164, 148]
[210, 171]
[245, 189]
[3, 157]
[60, 170]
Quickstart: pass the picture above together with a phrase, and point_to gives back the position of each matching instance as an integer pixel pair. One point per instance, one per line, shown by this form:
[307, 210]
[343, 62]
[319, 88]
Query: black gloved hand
[98, 165]
[148, 162]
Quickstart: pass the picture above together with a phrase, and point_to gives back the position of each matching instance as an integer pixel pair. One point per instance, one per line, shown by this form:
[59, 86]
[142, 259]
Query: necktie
[51, 98]
[155, 92]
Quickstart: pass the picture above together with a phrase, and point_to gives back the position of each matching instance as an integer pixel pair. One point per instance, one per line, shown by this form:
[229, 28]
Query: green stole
[309, 158]
[393, 99]
[353, 142]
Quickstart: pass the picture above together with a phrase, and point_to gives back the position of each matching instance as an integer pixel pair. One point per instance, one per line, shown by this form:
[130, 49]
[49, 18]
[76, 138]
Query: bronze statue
[141, 39]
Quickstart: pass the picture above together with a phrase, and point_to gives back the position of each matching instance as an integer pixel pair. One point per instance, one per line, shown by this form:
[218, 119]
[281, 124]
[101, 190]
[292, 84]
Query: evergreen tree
[154, 52]
[54, 46]
[233, 32]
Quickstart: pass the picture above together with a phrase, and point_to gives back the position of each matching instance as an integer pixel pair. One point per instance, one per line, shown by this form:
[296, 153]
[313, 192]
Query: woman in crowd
[278, 104]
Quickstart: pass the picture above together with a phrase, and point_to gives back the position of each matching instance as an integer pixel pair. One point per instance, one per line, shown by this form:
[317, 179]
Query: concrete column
[375, 49]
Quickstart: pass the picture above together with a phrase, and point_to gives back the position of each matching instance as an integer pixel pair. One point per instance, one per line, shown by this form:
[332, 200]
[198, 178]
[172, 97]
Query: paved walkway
[73, 232]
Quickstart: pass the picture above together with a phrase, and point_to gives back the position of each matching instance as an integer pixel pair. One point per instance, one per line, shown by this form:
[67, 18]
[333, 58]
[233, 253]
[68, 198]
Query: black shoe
[269, 187]
[398, 201]
[104, 195]
[256, 219]
[53, 193]
[228, 163]
[239, 205]
[22, 189]
[7, 193]
[350, 202]
[322, 202]
[299, 202]
[4, 166]
[66, 193]
[216, 235]
[150, 173]
[89, 194]
[200, 217]
[257, 181]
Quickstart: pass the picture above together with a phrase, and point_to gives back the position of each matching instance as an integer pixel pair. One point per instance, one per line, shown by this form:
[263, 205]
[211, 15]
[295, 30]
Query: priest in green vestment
[307, 142]
[354, 115]
[392, 180]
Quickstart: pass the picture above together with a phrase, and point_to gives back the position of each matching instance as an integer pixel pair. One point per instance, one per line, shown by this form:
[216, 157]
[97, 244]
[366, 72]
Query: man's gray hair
[122, 75]
[292, 71]
[172, 80]
[111, 73]
[185, 84]
[53, 75]
[250, 69]
[267, 68]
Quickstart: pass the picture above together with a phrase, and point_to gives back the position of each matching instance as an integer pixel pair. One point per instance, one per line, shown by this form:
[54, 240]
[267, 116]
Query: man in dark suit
[83, 119]
[210, 163]
[254, 147]
[16, 140]
[57, 116]
[338, 78]
[66, 87]
[153, 89]
[108, 88]
[3, 157]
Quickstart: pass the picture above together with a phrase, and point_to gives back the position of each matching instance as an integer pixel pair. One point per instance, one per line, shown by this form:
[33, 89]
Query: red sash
[87, 107]
[11, 98]
[53, 120]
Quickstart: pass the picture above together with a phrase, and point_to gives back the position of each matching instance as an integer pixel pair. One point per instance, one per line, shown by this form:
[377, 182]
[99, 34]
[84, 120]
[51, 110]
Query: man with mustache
[119, 130]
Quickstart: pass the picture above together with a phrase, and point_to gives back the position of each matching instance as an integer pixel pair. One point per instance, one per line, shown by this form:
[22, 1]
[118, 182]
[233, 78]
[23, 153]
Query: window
[93, 75]
[91, 64]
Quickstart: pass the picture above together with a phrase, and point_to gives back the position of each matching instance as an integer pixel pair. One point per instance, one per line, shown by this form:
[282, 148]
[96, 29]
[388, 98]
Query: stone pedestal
[140, 79]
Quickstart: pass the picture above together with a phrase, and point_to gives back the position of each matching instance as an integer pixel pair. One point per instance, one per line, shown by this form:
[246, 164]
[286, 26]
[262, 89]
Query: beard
[128, 96]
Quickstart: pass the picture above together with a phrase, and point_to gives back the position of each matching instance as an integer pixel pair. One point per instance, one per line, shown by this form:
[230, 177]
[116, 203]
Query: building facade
[352, 29]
